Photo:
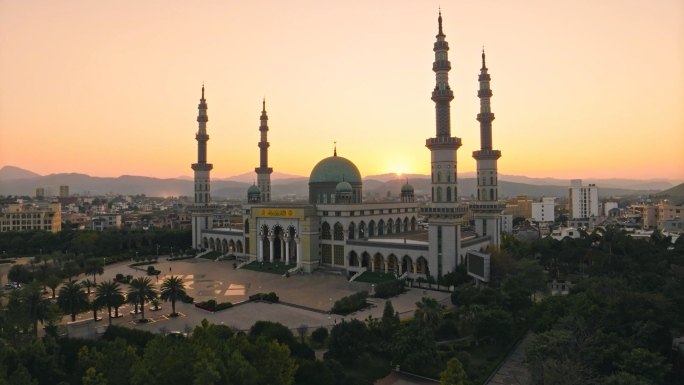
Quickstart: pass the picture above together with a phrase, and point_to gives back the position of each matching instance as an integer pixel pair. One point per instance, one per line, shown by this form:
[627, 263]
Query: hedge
[389, 289]
[188, 299]
[270, 297]
[351, 303]
[212, 306]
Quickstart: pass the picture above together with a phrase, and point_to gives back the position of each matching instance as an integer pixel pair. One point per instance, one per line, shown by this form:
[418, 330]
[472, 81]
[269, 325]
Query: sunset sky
[582, 89]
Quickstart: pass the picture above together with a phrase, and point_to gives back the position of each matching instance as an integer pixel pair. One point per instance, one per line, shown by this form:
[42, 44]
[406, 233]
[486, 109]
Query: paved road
[513, 371]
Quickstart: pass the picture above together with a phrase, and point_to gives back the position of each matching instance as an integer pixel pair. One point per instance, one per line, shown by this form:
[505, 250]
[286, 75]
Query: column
[270, 255]
[282, 249]
[385, 264]
[299, 252]
[259, 248]
[287, 251]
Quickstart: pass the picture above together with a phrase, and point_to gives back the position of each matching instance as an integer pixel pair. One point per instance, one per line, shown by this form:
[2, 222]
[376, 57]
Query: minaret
[487, 210]
[444, 214]
[202, 210]
[263, 171]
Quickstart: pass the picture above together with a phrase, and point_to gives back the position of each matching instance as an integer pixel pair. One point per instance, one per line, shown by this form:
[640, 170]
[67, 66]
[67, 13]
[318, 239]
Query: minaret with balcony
[202, 210]
[487, 210]
[444, 213]
[263, 171]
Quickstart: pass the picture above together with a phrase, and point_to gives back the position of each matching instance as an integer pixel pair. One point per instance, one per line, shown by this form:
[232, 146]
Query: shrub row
[212, 306]
[152, 271]
[270, 297]
[389, 289]
[120, 278]
[350, 303]
[188, 299]
[181, 257]
[6, 261]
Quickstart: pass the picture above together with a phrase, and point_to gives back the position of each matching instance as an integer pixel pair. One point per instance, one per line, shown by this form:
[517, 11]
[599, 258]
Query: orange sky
[581, 88]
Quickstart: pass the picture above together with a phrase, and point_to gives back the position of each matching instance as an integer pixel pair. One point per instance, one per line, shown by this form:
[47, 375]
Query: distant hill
[15, 181]
[677, 191]
[8, 173]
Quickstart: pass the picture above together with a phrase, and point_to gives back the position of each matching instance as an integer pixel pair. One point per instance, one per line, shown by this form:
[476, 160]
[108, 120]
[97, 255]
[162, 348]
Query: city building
[583, 200]
[611, 209]
[19, 217]
[40, 192]
[337, 229]
[506, 223]
[520, 207]
[544, 210]
[104, 221]
[63, 191]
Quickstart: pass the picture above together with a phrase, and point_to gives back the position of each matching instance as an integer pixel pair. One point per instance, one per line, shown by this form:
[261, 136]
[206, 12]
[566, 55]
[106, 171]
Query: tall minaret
[487, 210]
[263, 171]
[202, 211]
[444, 215]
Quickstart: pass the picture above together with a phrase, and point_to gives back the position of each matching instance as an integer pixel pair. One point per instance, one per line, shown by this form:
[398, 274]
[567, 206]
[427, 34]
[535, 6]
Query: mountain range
[17, 181]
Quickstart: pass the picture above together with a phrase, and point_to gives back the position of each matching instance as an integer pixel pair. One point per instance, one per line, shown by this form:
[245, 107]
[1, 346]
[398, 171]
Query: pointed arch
[397, 225]
[448, 194]
[491, 193]
[362, 230]
[390, 226]
[371, 228]
[338, 232]
[439, 194]
[246, 229]
[325, 231]
[381, 227]
[238, 247]
[352, 230]
[406, 224]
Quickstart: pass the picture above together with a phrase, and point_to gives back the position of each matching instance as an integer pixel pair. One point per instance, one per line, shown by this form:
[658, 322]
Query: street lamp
[157, 250]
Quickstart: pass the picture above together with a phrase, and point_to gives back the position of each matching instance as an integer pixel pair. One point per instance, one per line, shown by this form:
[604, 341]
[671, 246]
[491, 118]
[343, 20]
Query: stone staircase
[330, 270]
[363, 270]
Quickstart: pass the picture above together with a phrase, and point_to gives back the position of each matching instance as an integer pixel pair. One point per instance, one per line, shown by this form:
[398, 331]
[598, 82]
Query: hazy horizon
[106, 89]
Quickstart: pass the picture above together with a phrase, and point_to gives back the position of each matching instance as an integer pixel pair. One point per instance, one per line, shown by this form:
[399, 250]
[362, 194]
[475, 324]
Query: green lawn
[267, 267]
[376, 277]
[211, 255]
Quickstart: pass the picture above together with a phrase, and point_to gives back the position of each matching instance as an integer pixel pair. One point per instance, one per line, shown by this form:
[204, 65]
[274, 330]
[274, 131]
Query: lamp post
[157, 250]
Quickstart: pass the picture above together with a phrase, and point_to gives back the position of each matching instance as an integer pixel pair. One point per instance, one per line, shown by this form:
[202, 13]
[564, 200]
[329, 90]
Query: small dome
[335, 169]
[407, 188]
[253, 189]
[343, 187]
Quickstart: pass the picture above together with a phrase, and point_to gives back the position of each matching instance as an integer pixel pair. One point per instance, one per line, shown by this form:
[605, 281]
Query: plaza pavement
[311, 296]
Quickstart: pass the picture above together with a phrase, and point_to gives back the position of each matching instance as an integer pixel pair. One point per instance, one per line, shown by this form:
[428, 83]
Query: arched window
[484, 194]
[433, 195]
[439, 176]
[491, 180]
[381, 227]
[439, 194]
[325, 231]
[339, 233]
[352, 229]
[478, 195]
[491, 193]
[206, 197]
[484, 181]
[247, 226]
[362, 230]
[371, 228]
[448, 194]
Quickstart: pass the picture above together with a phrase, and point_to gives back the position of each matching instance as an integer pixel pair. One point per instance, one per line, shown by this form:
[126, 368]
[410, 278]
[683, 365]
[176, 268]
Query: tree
[21, 376]
[35, 305]
[314, 373]
[53, 282]
[428, 313]
[320, 335]
[173, 289]
[390, 322]
[348, 340]
[142, 290]
[301, 330]
[92, 377]
[70, 269]
[453, 374]
[414, 349]
[19, 273]
[72, 299]
[88, 284]
[107, 294]
[95, 267]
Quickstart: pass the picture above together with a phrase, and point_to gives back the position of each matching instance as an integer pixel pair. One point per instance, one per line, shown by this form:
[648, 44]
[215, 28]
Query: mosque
[336, 229]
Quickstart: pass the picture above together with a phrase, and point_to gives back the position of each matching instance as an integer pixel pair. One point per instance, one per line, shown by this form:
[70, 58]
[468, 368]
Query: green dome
[335, 169]
[407, 188]
[253, 189]
[343, 187]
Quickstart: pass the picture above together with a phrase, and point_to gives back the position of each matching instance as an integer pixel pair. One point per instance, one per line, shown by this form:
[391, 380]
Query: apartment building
[19, 217]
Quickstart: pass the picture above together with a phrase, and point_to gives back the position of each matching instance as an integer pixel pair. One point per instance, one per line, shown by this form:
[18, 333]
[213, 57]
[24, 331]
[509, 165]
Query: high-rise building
[202, 210]
[544, 211]
[487, 210]
[583, 200]
[40, 192]
[63, 191]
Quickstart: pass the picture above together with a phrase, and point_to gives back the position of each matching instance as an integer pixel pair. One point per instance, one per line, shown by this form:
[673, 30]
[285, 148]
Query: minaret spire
[335, 149]
[263, 171]
[444, 213]
[202, 210]
[487, 210]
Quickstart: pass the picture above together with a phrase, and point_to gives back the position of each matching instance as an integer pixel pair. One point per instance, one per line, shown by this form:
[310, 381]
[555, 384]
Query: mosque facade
[336, 229]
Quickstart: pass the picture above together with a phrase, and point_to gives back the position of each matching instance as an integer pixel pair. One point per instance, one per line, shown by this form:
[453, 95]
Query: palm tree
[32, 298]
[87, 284]
[116, 302]
[95, 306]
[52, 282]
[173, 289]
[142, 290]
[107, 294]
[70, 269]
[73, 299]
[94, 267]
[428, 313]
